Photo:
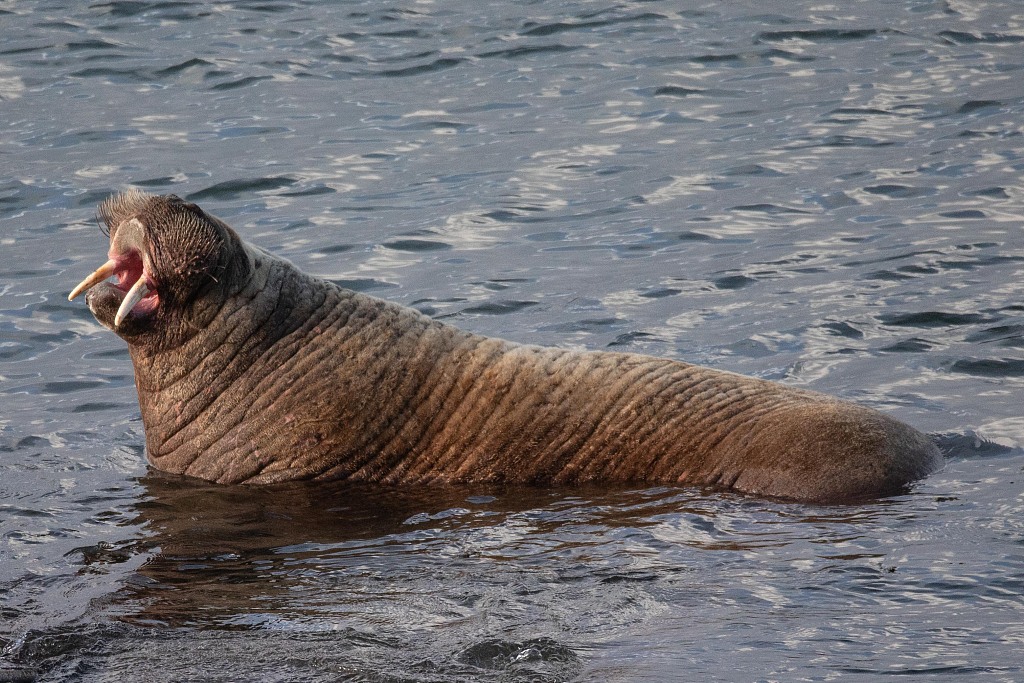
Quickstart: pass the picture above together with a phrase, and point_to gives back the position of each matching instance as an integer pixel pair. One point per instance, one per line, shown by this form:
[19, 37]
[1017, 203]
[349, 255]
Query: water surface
[824, 195]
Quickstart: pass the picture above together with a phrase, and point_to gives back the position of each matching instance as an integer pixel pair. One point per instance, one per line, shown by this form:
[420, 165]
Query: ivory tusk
[97, 276]
[134, 296]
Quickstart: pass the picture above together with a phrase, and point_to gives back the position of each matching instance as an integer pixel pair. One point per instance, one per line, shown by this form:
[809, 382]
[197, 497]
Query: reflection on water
[825, 196]
[533, 584]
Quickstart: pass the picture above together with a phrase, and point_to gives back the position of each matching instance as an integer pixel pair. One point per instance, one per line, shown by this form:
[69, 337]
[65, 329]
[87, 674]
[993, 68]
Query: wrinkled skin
[250, 371]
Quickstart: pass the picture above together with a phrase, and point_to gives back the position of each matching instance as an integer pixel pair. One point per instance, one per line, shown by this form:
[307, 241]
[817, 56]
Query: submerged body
[250, 371]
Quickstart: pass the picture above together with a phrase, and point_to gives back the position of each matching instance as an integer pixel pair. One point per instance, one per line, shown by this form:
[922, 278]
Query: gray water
[823, 194]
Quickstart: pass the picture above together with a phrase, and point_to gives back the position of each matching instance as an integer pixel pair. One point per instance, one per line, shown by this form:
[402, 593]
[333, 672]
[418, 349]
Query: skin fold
[250, 371]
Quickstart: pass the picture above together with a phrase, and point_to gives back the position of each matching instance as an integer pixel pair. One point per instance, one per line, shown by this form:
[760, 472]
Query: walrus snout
[250, 371]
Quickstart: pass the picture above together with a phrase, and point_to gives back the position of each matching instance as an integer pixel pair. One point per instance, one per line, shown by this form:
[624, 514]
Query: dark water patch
[183, 66]
[500, 284]
[755, 170]
[490, 106]
[104, 552]
[978, 245]
[53, 140]
[918, 270]
[733, 282]
[894, 191]
[990, 367]
[436, 65]
[336, 248]
[862, 112]
[364, 284]
[310, 191]
[97, 407]
[529, 51]
[249, 131]
[500, 655]
[694, 236]
[12, 351]
[676, 91]
[898, 257]
[660, 293]
[964, 214]
[63, 387]
[95, 44]
[980, 261]
[588, 325]
[750, 348]
[417, 245]
[24, 50]
[846, 141]
[821, 35]
[978, 105]
[269, 8]
[234, 189]
[515, 216]
[239, 83]
[15, 675]
[990, 192]
[762, 58]
[889, 275]
[680, 92]
[951, 670]
[499, 307]
[493, 286]
[60, 25]
[771, 209]
[164, 181]
[121, 352]
[631, 338]
[433, 126]
[1005, 335]
[930, 319]
[404, 33]
[912, 345]
[843, 329]
[59, 652]
[534, 29]
[970, 38]
[131, 8]
[550, 236]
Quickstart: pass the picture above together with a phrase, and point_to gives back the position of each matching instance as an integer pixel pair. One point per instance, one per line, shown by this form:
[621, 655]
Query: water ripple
[818, 196]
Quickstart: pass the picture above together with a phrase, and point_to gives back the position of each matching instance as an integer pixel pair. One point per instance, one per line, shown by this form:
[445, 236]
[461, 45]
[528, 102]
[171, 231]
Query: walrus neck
[277, 302]
[295, 370]
[274, 300]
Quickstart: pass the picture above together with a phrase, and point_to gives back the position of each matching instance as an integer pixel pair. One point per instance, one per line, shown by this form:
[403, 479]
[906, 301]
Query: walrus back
[539, 415]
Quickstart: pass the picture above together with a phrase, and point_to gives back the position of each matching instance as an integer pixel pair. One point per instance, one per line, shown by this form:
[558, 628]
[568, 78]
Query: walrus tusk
[97, 276]
[134, 296]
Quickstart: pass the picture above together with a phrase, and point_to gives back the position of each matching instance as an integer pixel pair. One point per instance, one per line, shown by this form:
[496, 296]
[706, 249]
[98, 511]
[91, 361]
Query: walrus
[250, 371]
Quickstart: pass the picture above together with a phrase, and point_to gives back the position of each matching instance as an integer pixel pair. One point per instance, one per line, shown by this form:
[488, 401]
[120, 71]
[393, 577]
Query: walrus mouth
[133, 280]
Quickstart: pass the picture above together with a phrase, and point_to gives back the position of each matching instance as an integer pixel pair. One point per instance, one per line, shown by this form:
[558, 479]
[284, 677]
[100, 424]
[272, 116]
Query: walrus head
[173, 263]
